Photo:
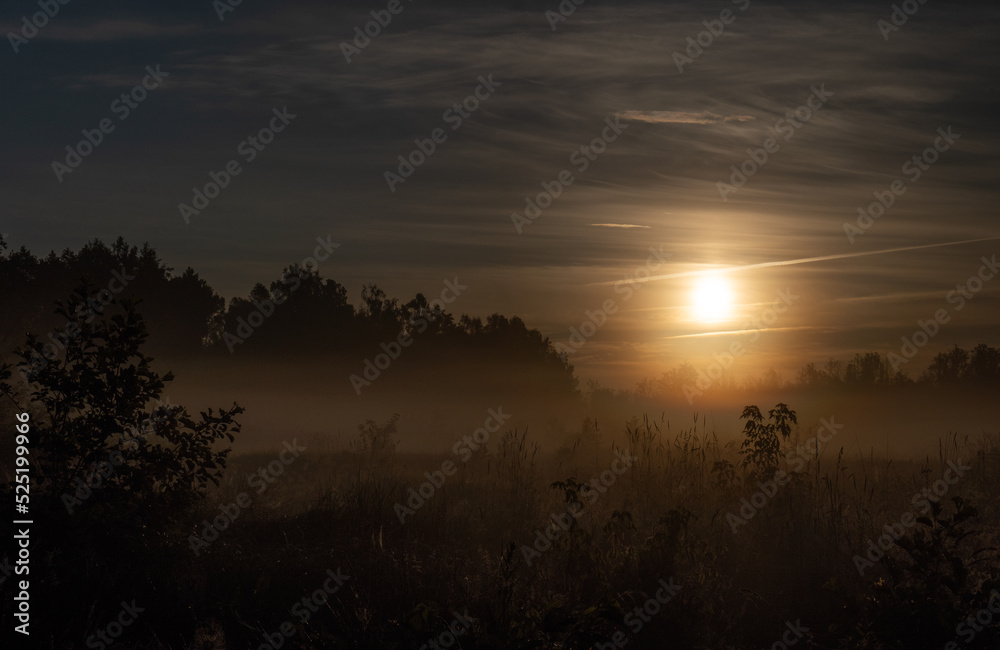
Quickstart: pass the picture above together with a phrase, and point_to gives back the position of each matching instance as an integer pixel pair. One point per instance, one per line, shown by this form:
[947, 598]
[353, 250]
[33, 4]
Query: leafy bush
[110, 475]
[942, 575]
[762, 448]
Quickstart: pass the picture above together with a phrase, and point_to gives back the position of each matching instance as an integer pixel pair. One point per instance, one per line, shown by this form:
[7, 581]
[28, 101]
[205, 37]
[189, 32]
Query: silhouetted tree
[113, 467]
[984, 365]
[378, 313]
[300, 312]
[867, 370]
[948, 368]
[89, 402]
[178, 309]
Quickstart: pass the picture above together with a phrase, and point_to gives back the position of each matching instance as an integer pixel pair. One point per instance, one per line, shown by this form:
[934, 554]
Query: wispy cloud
[804, 260]
[798, 328]
[617, 225]
[891, 297]
[118, 30]
[680, 117]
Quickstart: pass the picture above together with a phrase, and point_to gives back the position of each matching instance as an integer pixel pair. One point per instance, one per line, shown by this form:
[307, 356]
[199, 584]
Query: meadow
[511, 550]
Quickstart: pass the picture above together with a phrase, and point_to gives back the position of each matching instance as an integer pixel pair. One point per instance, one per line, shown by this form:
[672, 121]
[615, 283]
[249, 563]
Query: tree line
[978, 368]
[299, 313]
[302, 313]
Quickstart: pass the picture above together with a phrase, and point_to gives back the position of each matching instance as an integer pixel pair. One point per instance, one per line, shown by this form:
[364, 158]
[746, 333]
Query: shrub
[110, 476]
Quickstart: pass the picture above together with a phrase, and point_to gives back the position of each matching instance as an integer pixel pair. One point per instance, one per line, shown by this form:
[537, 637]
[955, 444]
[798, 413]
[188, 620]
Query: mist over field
[315, 400]
[295, 380]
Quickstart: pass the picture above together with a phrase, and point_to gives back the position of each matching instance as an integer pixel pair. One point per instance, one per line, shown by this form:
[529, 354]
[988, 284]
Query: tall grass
[665, 517]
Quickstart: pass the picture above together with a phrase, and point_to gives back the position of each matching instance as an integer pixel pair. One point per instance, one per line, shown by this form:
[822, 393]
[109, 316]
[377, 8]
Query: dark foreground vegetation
[646, 536]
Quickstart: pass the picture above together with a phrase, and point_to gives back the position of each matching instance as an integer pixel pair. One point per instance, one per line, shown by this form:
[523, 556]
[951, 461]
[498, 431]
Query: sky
[666, 111]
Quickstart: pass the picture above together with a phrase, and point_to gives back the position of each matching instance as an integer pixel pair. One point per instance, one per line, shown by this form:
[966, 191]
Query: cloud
[893, 297]
[805, 260]
[119, 30]
[797, 328]
[617, 225]
[680, 117]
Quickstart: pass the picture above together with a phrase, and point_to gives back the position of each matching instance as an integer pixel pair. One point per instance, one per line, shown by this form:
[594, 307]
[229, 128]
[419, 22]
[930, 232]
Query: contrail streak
[803, 260]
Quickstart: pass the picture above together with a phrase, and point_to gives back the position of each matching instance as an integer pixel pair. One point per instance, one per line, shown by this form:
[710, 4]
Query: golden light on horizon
[712, 299]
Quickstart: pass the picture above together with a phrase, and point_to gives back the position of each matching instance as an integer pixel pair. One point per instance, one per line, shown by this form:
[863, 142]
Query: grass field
[508, 549]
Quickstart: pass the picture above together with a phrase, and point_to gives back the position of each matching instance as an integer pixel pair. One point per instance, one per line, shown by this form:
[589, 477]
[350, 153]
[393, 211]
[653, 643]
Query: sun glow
[712, 299]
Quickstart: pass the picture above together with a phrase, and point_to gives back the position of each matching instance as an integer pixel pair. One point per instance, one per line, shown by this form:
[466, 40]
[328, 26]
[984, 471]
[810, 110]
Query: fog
[439, 406]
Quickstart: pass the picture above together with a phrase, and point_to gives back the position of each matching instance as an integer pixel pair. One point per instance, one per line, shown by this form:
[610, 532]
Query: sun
[712, 299]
